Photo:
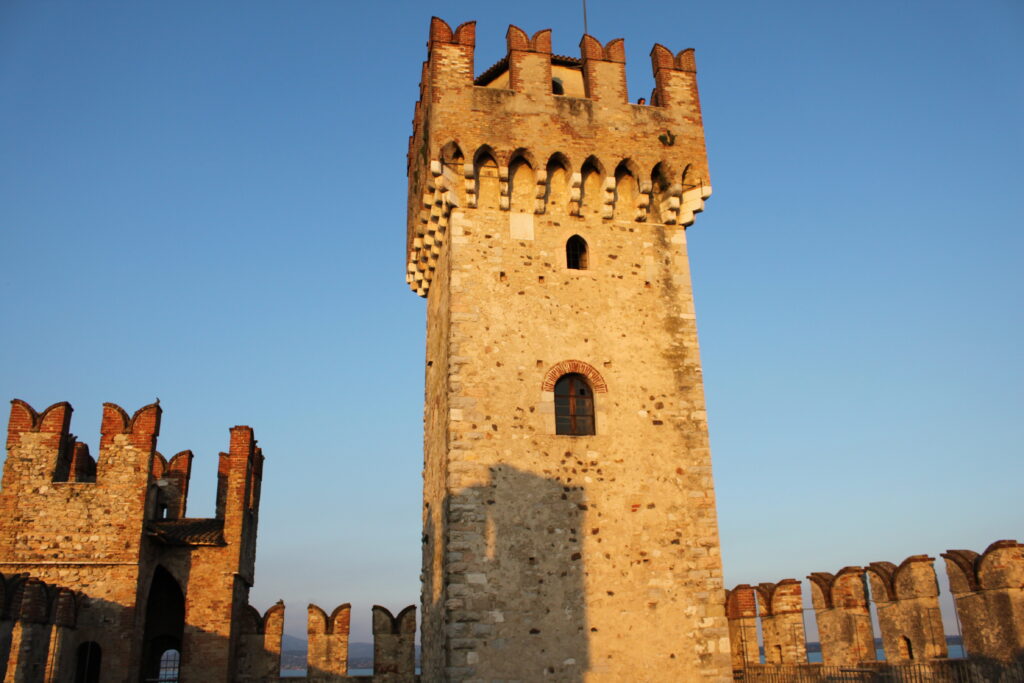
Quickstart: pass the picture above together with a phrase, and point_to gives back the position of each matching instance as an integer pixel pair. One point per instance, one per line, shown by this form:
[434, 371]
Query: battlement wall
[48, 515]
[988, 591]
[259, 643]
[506, 140]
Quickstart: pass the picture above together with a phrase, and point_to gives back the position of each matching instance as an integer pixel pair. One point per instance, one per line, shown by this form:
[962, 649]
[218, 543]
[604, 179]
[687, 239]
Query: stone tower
[569, 514]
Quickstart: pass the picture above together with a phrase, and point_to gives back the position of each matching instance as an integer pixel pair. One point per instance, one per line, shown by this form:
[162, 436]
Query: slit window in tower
[557, 87]
[574, 406]
[576, 253]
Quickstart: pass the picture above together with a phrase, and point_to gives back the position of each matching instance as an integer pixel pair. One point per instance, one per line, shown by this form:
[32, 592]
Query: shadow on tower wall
[509, 602]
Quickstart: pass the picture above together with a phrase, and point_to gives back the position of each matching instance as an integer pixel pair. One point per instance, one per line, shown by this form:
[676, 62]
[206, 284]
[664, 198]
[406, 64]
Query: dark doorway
[87, 663]
[165, 626]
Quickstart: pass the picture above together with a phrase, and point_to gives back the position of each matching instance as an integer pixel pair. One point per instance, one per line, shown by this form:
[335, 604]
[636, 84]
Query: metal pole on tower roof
[585, 31]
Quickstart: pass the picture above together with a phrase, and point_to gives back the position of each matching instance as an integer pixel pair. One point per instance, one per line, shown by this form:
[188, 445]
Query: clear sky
[205, 202]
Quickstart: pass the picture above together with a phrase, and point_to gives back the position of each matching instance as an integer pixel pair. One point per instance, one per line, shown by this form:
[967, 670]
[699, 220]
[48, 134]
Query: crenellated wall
[988, 590]
[114, 531]
[327, 653]
[907, 603]
[782, 622]
[394, 645]
[741, 612]
[510, 113]
[81, 534]
[259, 644]
[844, 622]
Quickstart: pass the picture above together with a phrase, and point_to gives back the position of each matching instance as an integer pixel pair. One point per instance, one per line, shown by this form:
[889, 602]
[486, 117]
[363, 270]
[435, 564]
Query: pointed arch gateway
[165, 628]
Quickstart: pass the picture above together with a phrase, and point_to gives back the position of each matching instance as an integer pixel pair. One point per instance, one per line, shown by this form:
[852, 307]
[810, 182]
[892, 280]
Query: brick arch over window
[597, 382]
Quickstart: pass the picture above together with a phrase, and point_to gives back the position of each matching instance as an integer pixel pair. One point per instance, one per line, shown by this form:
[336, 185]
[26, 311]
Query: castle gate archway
[165, 626]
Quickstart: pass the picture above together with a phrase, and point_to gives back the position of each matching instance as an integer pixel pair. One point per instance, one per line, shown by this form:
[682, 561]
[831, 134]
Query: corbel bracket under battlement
[432, 226]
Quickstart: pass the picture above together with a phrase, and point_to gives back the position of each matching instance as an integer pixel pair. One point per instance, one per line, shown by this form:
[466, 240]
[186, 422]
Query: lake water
[955, 652]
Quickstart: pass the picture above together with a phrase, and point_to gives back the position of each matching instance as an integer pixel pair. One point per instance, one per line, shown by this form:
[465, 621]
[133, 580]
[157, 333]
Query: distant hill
[293, 644]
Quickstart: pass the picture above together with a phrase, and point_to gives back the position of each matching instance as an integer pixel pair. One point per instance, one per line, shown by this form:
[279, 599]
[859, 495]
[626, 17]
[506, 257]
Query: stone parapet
[394, 645]
[907, 602]
[988, 590]
[844, 622]
[741, 611]
[328, 637]
[782, 622]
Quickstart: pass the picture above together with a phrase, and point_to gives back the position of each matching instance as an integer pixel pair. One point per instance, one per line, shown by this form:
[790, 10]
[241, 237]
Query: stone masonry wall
[907, 602]
[782, 623]
[394, 645]
[741, 611]
[988, 590]
[83, 535]
[844, 622]
[327, 638]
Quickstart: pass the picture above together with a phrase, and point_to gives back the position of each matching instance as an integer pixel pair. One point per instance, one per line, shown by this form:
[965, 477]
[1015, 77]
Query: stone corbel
[575, 193]
[608, 198]
[542, 193]
[505, 187]
[643, 202]
[470, 175]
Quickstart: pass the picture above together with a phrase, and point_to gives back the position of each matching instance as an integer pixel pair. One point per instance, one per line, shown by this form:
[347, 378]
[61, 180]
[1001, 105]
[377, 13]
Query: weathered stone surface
[327, 641]
[782, 623]
[907, 602]
[741, 611]
[988, 590]
[844, 622]
[394, 645]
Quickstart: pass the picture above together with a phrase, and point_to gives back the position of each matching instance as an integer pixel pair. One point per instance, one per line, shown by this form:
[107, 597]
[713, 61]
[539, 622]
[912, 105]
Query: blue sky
[204, 202]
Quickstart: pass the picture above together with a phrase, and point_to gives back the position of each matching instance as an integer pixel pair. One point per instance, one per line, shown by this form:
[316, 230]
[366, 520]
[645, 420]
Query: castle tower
[152, 592]
[569, 514]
